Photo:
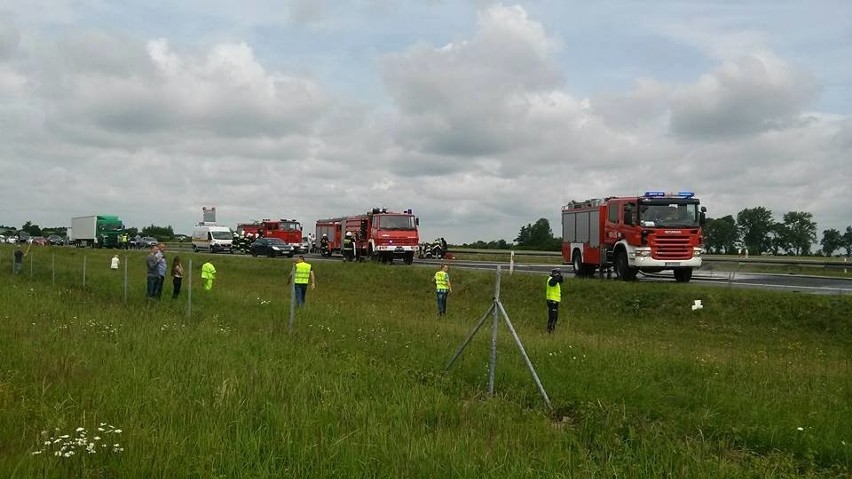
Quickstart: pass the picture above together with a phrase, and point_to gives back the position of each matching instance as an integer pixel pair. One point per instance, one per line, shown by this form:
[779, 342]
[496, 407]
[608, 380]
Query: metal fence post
[189, 291]
[495, 322]
[292, 298]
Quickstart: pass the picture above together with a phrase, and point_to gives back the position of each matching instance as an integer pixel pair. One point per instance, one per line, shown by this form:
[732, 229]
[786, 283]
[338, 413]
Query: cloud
[9, 38]
[459, 100]
[753, 94]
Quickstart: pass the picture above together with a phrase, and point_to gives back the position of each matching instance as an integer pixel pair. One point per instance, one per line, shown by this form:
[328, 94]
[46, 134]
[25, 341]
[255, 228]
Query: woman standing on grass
[177, 276]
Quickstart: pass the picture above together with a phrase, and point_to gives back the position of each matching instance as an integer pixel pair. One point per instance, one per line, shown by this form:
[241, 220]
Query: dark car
[271, 247]
[55, 240]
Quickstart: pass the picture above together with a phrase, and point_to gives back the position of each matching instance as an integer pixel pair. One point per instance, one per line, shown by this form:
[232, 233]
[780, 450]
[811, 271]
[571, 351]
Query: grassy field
[756, 384]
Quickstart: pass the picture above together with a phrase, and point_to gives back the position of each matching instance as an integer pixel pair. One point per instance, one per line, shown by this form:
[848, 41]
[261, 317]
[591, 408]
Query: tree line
[756, 230]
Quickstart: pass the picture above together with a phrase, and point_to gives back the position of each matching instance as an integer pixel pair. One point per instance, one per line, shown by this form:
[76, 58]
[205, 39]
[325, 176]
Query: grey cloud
[751, 95]
[463, 99]
[9, 38]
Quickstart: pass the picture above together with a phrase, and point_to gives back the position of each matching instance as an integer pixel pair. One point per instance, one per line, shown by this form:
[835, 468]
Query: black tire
[254, 254]
[194, 249]
[577, 264]
[409, 258]
[622, 269]
[683, 275]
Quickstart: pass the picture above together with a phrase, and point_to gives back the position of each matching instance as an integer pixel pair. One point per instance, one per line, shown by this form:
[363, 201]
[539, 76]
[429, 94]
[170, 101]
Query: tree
[158, 232]
[800, 231]
[32, 229]
[720, 235]
[755, 226]
[537, 236]
[832, 240]
[847, 240]
[779, 238]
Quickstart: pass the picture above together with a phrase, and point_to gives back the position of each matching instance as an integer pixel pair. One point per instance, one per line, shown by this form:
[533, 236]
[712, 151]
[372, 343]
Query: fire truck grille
[671, 248]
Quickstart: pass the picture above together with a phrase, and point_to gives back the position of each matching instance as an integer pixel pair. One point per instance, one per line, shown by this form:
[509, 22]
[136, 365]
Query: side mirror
[417, 221]
[702, 216]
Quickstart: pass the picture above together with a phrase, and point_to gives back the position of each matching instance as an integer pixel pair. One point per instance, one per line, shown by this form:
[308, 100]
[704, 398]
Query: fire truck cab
[654, 232]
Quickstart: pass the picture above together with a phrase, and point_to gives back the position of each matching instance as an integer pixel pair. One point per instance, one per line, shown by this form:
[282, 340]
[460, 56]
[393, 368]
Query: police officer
[554, 296]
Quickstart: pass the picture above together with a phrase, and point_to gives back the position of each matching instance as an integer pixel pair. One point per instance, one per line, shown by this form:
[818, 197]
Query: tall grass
[757, 384]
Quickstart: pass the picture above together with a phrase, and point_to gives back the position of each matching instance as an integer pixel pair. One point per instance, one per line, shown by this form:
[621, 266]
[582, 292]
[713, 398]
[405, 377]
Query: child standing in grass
[177, 276]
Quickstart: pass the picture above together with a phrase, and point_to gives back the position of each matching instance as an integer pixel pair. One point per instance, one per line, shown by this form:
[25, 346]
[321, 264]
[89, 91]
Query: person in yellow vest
[443, 287]
[303, 276]
[208, 274]
[554, 297]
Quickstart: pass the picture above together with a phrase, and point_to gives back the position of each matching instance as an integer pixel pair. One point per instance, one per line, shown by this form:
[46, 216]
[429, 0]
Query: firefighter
[324, 249]
[208, 274]
[553, 293]
[442, 288]
[348, 247]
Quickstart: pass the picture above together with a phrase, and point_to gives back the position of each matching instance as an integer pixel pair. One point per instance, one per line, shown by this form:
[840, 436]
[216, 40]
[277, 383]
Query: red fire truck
[379, 234]
[650, 233]
[288, 230]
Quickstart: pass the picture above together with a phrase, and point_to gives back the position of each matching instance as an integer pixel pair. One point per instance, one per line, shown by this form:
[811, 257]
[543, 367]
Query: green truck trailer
[101, 231]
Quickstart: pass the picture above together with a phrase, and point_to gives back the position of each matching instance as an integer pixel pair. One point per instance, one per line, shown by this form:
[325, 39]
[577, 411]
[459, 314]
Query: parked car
[55, 240]
[271, 247]
[12, 239]
[148, 242]
[23, 237]
[38, 240]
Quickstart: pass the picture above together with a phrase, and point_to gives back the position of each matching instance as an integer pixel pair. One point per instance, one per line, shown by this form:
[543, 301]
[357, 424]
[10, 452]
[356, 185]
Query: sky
[481, 117]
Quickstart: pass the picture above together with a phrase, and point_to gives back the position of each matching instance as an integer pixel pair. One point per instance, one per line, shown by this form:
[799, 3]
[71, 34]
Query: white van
[213, 238]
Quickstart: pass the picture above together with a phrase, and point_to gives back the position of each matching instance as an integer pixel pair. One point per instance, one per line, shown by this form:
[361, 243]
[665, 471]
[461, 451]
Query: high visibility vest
[303, 273]
[208, 271]
[554, 293]
[442, 281]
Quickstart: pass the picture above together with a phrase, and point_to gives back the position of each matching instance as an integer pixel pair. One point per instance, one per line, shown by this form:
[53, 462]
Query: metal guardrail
[759, 261]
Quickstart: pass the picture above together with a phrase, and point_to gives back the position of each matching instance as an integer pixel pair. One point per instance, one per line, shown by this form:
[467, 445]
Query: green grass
[642, 386]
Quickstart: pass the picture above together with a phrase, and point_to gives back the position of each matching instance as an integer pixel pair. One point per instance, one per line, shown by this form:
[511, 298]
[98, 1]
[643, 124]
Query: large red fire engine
[379, 234]
[288, 230]
[654, 232]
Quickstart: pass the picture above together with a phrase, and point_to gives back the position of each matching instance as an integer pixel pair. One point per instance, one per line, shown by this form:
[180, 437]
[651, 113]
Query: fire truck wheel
[409, 258]
[622, 269]
[577, 264]
[683, 275]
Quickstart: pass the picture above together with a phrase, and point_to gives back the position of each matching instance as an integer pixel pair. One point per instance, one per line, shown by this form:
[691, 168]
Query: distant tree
[31, 228]
[754, 226]
[847, 240]
[720, 235]
[832, 241]
[131, 232]
[536, 236]
[800, 231]
[158, 232]
[779, 238]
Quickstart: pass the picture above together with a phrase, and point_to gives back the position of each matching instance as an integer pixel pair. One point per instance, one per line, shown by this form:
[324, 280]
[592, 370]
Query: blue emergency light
[654, 194]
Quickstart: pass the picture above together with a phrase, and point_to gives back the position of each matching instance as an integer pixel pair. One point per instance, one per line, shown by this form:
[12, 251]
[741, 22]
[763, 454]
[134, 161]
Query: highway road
[779, 282]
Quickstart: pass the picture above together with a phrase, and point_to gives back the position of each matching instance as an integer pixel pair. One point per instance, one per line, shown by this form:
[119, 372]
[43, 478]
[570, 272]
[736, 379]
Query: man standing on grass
[151, 265]
[303, 275]
[161, 270]
[19, 260]
[208, 274]
[442, 288]
[553, 293]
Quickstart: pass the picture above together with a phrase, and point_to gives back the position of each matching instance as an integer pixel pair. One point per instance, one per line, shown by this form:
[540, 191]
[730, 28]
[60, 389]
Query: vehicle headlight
[643, 252]
[276, 248]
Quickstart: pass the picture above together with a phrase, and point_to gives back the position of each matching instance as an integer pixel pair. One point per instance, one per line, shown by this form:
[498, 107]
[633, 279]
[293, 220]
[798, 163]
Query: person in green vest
[554, 297]
[208, 274]
[303, 275]
[443, 287]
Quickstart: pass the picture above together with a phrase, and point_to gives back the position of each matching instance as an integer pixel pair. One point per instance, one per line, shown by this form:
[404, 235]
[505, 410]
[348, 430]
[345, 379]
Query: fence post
[84, 271]
[189, 291]
[511, 262]
[292, 298]
[31, 266]
[53, 268]
[125, 278]
[495, 322]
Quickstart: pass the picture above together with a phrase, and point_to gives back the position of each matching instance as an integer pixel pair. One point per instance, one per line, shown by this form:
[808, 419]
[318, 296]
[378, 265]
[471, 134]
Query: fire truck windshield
[290, 226]
[396, 222]
[669, 214]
